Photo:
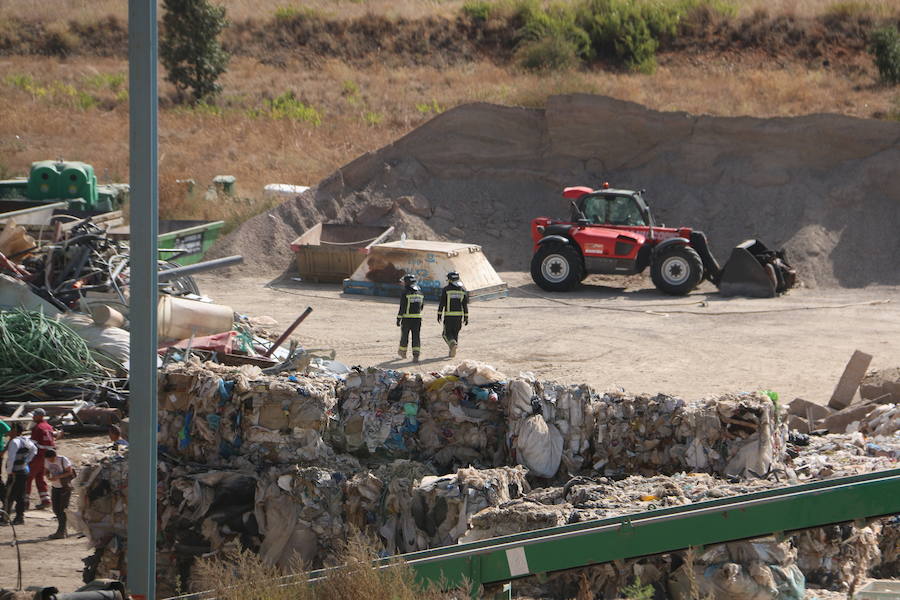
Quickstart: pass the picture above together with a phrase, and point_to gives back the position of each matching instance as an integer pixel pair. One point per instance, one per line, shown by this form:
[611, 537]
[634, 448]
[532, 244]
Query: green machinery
[70, 181]
[502, 560]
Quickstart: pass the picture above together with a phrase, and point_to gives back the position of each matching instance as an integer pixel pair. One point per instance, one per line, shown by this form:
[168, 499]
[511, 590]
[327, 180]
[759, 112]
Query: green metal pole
[143, 283]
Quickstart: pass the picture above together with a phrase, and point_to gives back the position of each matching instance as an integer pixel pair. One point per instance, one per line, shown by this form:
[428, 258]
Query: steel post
[142, 93]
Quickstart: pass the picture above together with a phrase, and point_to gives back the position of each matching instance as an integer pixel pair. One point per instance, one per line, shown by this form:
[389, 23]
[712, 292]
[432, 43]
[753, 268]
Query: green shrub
[286, 106]
[549, 53]
[430, 107]
[111, 81]
[289, 13]
[885, 47]
[477, 10]
[550, 37]
[373, 118]
[629, 30]
[636, 591]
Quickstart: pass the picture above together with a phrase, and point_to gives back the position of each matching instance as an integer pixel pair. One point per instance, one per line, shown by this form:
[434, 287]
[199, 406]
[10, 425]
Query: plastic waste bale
[99, 511]
[734, 435]
[443, 506]
[549, 425]
[210, 413]
[379, 414]
[761, 569]
[839, 555]
[463, 422]
[299, 511]
[379, 502]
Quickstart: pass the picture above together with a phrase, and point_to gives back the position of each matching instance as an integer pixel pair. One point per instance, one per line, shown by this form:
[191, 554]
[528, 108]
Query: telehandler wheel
[677, 270]
[557, 268]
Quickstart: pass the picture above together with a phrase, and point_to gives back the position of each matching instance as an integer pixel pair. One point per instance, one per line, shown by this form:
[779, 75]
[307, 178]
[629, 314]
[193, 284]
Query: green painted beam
[641, 534]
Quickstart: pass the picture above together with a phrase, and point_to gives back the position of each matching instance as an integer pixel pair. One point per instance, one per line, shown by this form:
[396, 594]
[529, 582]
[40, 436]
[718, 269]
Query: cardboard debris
[739, 436]
[839, 422]
[882, 387]
[850, 379]
[810, 411]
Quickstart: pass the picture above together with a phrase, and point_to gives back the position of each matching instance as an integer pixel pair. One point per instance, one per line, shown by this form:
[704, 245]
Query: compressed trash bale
[549, 425]
[211, 412]
[760, 569]
[299, 511]
[379, 413]
[100, 512]
[443, 506]
[463, 422]
[889, 546]
[838, 556]
[739, 436]
[380, 503]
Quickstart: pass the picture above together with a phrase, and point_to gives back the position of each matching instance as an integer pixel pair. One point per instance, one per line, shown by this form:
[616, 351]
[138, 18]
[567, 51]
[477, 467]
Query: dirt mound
[826, 187]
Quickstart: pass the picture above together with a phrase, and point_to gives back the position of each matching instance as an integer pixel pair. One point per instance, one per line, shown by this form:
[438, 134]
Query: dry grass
[91, 10]
[88, 10]
[243, 576]
[361, 110]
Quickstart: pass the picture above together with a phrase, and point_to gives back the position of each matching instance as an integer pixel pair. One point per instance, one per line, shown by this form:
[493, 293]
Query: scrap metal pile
[287, 464]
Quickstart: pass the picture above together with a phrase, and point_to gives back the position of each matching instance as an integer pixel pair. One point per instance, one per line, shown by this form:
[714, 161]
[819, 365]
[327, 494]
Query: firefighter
[409, 317]
[454, 309]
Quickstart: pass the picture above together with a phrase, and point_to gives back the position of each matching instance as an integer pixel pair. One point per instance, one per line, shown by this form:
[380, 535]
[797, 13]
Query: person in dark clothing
[20, 452]
[409, 317]
[60, 474]
[454, 310]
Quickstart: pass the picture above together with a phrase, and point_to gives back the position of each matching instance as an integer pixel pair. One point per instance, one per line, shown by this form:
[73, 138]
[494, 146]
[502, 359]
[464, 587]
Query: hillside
[824, 186]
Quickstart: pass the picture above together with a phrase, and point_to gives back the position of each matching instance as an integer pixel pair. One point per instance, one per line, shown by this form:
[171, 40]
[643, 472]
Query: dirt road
[607, 336]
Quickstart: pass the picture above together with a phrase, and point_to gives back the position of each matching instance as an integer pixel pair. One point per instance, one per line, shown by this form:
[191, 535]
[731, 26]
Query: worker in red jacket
[44, 437]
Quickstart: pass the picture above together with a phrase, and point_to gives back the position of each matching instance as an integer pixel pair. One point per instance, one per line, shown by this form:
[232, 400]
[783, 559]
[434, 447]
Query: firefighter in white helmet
[453, 309]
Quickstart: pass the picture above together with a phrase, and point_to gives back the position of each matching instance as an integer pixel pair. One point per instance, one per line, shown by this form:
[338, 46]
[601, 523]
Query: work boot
[401, 352]
[19, 521]
[42, 506]
[58, 535]
[415, 357]
[452, 349]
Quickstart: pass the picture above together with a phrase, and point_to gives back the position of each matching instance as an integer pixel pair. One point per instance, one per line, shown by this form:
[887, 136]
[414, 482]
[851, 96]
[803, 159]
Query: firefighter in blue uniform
[409, 317]
[454, 309]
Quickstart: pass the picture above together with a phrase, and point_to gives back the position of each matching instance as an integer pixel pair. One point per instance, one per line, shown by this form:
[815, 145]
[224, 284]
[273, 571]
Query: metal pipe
[200, 267]
[144, 183]
[288, 332]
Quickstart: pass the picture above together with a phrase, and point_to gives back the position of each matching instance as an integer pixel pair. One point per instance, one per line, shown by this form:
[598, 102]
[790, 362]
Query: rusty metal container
[331, 252]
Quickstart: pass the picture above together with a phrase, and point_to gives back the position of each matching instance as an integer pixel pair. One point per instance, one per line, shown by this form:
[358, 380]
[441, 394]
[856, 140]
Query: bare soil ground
[607, 335]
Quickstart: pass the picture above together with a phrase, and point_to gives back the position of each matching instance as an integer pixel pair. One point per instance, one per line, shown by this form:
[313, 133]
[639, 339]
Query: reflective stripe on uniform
[458, 296]
[410, 298]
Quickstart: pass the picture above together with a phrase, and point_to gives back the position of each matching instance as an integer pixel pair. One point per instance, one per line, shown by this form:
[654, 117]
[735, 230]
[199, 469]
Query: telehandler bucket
[749, 272]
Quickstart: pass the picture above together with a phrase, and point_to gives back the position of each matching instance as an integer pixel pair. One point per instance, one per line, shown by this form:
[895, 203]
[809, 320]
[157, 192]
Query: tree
[190, 49]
